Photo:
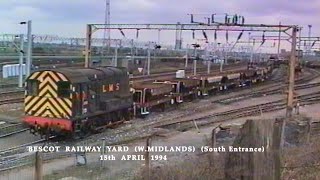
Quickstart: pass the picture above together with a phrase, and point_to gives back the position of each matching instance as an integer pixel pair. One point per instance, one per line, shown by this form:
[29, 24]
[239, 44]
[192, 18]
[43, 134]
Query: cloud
[134, 5]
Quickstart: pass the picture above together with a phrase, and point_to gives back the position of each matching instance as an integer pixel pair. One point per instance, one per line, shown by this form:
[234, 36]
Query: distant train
[313, 64]
[78, 101]
[278, 62]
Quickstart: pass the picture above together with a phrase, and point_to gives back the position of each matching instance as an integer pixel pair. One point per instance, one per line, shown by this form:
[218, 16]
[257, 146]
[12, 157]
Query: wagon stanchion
[134, 110]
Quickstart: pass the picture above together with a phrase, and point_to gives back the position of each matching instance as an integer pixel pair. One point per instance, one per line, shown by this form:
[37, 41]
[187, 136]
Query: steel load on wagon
[234, 76]
[154, 88]
[214, 79]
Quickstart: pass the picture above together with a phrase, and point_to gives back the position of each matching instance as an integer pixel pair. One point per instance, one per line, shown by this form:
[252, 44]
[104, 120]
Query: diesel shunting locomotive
[76, 101]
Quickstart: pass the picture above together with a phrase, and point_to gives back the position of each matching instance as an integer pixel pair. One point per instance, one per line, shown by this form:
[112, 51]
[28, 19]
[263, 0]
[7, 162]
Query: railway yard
[228, 98]
[227, 108]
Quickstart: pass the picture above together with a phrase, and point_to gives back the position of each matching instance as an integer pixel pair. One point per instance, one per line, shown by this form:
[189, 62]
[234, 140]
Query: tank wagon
[76, 101]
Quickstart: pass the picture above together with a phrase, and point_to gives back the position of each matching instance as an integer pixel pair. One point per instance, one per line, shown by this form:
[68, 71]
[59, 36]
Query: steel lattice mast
[106, 33]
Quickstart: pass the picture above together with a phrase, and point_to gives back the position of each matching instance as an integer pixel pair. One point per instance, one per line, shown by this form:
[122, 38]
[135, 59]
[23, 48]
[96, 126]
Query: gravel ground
[12, 112]
[17, 139]
[125, 169]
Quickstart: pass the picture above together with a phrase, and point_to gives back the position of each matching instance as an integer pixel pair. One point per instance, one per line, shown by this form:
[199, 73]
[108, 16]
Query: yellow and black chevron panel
[47, 103]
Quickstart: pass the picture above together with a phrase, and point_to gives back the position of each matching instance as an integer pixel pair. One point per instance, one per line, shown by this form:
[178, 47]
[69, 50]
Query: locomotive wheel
[93, 127]
[78, 135]
[127, 116]
[32, 131]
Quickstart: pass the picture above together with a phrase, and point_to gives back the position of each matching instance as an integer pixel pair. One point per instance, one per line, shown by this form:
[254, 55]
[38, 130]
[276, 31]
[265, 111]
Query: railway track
[223, 100]
[12, 129]
[276, 88]
[12, 85]
[11, 93]
[11, 101]
[6, 97]
[272, 91]
[253, 110]
[10, 158]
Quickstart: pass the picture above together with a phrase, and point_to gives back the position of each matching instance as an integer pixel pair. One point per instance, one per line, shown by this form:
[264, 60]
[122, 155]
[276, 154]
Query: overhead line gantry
[91, 28]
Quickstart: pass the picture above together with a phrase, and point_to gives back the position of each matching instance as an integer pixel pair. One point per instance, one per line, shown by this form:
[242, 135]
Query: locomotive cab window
[63, 89]
[32, 87]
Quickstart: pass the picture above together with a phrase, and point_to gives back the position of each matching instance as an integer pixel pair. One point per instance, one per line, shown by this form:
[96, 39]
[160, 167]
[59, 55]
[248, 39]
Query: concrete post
[159, 36]
[149, 59]
[29, 50]
[213, 138]
[226, 56]
[87, 62]
[292, 64]
[252, 51]
[132, 52]
[21, 53]
[221, 65]
[38, 166]
[147, 158]
[103, 150]
[186, 64]
[309, 130]
[279, 40]
[208, 60]
[116, 57]
[309, 39]
[195, 62]
[299, 46]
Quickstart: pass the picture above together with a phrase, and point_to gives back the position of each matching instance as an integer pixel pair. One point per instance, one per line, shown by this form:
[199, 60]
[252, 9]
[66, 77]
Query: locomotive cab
[48, 102]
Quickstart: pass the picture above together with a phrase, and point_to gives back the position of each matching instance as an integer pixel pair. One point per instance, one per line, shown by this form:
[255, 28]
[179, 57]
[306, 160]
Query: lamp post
[220, 58]
[21, 53]
[149, 56]
[29, 47]
[208, 59]
[148, 60]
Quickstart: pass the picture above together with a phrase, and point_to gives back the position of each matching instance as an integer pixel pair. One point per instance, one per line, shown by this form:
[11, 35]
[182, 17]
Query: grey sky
[69, 17]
